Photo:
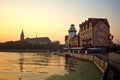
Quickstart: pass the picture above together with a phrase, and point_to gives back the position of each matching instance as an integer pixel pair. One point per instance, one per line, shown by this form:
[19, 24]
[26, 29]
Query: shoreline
[84, 58]
[23, 50]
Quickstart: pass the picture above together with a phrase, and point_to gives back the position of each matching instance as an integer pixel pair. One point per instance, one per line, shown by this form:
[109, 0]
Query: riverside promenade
[85, 57]
[109, 66]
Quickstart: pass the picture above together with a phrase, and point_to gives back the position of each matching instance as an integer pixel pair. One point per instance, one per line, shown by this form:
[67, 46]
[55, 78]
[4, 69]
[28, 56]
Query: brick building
[94, 32]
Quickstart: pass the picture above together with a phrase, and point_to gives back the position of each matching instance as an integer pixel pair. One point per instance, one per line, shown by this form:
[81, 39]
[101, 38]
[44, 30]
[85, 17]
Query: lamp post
[110, 37]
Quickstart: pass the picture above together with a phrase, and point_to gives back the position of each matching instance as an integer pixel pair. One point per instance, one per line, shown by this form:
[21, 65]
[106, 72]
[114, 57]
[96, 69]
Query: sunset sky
[52, 18]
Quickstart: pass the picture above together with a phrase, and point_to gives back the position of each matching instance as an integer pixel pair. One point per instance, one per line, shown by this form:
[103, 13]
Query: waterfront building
[36, 40]
[74, 41]
[71, 40]
[39, 40]
[94, 32]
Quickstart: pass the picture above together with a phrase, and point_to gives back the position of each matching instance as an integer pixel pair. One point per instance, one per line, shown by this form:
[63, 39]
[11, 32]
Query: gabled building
[94, 32]
[36, 40]
[40, 40]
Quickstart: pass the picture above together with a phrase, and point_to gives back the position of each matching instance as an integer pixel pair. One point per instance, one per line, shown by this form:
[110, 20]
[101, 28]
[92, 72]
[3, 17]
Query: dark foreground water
[30, 66]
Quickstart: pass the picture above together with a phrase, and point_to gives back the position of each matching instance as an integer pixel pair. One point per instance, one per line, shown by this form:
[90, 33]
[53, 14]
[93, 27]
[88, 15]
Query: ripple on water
[30, 66]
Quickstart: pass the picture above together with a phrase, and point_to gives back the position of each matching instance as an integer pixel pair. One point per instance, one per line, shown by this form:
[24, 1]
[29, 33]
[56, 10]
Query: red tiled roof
[106, 22]
[94, 21]
[86, 22]
[79, 25]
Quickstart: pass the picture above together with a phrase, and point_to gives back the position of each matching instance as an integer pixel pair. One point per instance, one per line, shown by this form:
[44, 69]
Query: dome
[72, 28]
[72, 25]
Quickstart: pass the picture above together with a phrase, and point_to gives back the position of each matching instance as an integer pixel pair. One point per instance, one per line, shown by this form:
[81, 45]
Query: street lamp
[110, 37]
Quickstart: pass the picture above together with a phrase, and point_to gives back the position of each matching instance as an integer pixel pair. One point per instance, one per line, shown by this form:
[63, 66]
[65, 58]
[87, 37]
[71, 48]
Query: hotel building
[94, 32]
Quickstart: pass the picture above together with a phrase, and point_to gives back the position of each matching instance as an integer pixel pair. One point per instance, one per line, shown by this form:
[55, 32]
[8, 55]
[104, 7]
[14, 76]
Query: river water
[30, 66]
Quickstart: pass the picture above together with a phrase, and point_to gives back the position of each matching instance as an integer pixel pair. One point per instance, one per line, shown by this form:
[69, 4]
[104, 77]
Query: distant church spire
[22, 36]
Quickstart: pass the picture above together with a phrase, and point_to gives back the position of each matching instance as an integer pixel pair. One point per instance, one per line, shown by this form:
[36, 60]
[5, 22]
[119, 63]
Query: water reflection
[21, 62]
[20, 78]
[70, 64]
[30, 66]
[41, 59]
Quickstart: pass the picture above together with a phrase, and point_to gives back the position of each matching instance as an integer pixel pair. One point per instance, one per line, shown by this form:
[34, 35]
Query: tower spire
[22, 36]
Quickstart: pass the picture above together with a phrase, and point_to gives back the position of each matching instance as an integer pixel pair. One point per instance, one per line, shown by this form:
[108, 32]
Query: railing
[111, 68]
[102, 61]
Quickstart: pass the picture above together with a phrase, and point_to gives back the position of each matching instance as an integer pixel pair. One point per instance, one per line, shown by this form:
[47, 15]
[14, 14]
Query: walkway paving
[114, 57]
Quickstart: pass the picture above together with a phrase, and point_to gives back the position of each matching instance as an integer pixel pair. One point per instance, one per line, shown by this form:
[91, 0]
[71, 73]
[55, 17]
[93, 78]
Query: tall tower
[22, 36]
[72, 32]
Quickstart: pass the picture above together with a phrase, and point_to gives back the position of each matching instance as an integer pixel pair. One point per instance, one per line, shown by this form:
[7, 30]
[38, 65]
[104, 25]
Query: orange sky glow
[52, 18]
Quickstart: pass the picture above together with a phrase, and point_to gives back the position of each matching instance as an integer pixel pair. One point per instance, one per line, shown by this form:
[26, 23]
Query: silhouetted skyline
[52, 18]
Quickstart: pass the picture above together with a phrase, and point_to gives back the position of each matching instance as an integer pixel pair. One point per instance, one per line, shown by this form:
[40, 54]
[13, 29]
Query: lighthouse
[72, 32]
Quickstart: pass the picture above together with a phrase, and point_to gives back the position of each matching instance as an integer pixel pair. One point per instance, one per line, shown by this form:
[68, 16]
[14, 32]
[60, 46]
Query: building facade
[94, 32]
[71, 40]
[36, 40]
[74, 41]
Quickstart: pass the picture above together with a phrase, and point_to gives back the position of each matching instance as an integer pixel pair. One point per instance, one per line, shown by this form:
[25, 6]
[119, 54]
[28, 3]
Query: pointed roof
[22, 33]
[94, 21]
